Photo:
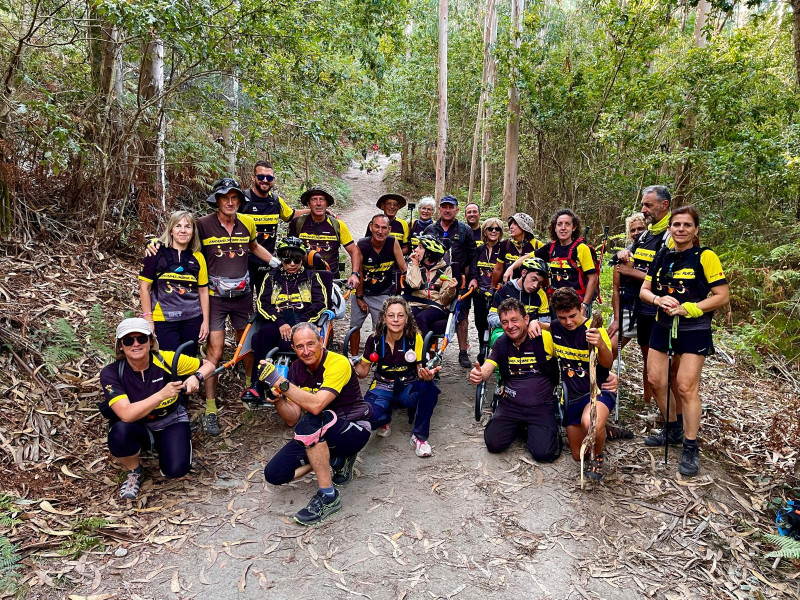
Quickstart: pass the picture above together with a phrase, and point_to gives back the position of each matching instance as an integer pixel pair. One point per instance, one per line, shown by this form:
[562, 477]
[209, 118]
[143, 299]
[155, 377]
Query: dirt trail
[461, 524]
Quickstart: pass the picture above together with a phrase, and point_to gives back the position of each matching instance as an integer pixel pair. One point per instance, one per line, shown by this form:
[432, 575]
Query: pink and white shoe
[421, 447]
[384, 431]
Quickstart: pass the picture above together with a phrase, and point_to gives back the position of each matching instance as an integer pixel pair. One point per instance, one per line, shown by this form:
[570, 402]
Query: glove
[274, 263]
[269, 375]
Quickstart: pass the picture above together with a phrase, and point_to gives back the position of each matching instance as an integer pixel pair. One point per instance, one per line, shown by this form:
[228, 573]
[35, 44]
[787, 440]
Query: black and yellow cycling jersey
[334, 374]
[687, 276]
[323, 237]
[510, 250]
[569, 265]
[378, 267]
[136, 386]
[303, 293]
[487, 258]
[393, 363]
[226, 253]
[398, 229]
[535, 303]
[266, 212]
[527, 370]
[572, 351]
[175, 278]
[644, 250]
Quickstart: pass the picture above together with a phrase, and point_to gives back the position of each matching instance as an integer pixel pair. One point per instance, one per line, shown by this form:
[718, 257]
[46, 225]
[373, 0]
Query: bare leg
[319, 456]
[355, 342]
[673, 384]
[600, 427]
[216, 343]
[688, 381]
[301, 471]
[461, 333]
[657, 363]
[247, 361]
[129, 463]
[648, 390]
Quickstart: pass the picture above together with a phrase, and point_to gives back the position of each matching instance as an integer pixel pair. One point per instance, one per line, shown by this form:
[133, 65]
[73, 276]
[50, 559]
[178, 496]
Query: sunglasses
[292, 260]
[494, 229]
[140, 339]
[267, 178]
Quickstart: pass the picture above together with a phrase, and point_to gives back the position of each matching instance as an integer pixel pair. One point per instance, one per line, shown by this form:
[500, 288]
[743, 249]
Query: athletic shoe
[463, 359]
[384, 431]
[615, 432]
[130, 487]
[319, 508]
[211, 424]
[675, 437]
[690, 461]
[594, 469]
[342, 472]
[421, 447]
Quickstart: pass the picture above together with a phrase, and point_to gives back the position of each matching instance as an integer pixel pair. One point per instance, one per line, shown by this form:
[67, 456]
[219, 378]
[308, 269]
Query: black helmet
[536, 265]
[222, 187]
[291, 245]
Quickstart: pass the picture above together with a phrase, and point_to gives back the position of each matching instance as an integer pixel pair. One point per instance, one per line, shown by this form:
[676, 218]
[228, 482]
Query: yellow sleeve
[286, 212]
[712, 268]
[604, 337]
[406, 231]
[549, 348]
[187, 365]
[344, 234]
[536, 244]
[337, 373]
[418, 347]
[544, 307]
[585, 259]
[202, 276]
[250, 224]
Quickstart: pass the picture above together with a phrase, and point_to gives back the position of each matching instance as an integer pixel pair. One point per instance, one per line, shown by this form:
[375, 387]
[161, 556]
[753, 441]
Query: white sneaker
[384, 431]
[421, 447]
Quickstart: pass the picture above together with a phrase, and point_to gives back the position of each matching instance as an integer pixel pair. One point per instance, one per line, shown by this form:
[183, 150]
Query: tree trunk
[151, 85]
[230, 133]
[512, 124]
[796, 37]
[441, 134]
[486, 150]
[489, 18]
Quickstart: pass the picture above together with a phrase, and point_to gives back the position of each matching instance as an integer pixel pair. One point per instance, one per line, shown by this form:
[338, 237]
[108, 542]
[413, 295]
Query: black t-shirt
[572, 350]
[528, 383]
[378, 267]
[266, 212]
[394, 364]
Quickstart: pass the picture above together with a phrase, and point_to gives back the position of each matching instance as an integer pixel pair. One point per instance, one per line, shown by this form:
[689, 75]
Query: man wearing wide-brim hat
[325, 233]
[390, 204]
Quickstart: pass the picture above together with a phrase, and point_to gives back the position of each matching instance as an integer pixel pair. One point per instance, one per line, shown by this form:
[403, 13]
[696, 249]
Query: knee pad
[310, 429]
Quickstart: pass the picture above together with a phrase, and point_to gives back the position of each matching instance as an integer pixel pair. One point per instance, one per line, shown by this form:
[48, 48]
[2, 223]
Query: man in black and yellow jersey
[324, 233]
[266, 208]
[143, 404]
[391, 204]
[322, 400]
[528, 374]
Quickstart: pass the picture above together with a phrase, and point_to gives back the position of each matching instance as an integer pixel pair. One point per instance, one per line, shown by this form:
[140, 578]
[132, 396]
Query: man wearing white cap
[143, 401]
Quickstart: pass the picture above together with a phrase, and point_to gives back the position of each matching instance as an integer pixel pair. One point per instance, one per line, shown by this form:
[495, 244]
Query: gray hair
[661, 192]
[427, 201]
[305, 325]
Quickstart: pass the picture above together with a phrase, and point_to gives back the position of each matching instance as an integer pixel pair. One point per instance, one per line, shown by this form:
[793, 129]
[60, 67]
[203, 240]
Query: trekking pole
[619, 362]
[600, 264]
[672, 332]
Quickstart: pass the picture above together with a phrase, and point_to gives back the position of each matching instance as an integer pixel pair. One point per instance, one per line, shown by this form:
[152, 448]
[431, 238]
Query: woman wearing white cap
[144, 404]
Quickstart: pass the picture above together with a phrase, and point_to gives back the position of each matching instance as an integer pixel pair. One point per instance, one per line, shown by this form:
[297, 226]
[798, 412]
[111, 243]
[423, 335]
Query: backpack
[332, 220]
[171, 264]
[571, 259]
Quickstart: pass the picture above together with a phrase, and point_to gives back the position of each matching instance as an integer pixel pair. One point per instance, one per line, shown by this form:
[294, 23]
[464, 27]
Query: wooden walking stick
[594, 392]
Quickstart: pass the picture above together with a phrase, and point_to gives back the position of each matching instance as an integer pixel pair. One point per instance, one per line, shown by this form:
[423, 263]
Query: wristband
[356, 273]
[693, 311]
[143, 315]
[359, 297]
[199, 376]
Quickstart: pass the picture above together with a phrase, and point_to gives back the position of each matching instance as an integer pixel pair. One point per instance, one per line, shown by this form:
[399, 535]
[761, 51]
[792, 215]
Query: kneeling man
[322, 401]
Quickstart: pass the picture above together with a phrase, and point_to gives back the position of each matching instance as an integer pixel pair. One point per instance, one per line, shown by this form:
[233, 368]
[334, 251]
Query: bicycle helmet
[536, 265]
[433, 247]
[222, 187]
[291, 245]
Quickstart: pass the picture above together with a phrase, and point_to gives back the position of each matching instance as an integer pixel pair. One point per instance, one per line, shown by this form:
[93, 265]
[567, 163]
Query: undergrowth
[65, 343]
[84, 537]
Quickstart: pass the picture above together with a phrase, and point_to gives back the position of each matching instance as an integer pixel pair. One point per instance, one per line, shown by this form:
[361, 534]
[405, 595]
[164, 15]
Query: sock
[689, 443]
[211, 406]
[248, 381]
[679, 419]
[328, 492]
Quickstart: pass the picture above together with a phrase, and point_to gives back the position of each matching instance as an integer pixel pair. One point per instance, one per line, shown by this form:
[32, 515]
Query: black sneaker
[463, 359]
[343, 471]
[690, 461]
[657, 439]
[319, 508]
[211, 424]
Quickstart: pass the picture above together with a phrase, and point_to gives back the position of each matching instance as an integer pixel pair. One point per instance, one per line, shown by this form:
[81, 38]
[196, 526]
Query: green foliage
[64, 345]
[8, 512]
[99, 332]
[84, 538]
[10, 567]
[788, 547]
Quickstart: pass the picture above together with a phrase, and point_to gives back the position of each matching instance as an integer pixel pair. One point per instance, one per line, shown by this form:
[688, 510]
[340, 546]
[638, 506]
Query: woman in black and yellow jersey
[488, 251]
[173, 285]
[143, 403]
[521, 242]
[687, 285]
[400, 379]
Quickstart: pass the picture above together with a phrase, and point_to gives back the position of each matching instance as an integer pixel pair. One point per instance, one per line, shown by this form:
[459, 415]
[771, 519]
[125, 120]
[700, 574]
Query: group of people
[532, 303]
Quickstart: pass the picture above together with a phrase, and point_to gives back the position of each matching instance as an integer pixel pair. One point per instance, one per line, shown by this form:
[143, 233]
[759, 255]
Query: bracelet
[199, 376]
[359, 297]
[146, 315]
[356, 273]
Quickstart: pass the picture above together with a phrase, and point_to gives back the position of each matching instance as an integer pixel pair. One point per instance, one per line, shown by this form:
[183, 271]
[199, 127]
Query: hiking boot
[130, 487]
[615, 432]
[421, 447]
[690, 461]
[384, 431]
[342, 472]
[211, 424]
[657, 439]
[319, 508]
[463, 359]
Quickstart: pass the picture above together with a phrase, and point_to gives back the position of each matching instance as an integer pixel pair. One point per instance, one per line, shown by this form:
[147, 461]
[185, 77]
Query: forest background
[113, 112]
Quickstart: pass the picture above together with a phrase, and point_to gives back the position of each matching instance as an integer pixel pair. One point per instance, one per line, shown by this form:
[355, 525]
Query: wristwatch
[199, 376]
[356, 273]
[284, 386]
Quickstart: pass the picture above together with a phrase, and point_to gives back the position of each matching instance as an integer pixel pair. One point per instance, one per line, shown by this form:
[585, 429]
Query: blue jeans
[419, 397]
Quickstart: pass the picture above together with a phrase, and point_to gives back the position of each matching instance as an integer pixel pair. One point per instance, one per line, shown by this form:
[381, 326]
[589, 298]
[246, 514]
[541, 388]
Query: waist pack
[230, 287]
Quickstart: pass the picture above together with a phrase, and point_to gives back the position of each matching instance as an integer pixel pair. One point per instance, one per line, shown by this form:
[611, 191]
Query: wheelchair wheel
[484, 394]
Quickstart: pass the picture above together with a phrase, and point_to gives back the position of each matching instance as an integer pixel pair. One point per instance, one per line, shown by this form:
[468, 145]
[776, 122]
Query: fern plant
[10, 567]
[787, 547]
[64, 346]
[99, 333]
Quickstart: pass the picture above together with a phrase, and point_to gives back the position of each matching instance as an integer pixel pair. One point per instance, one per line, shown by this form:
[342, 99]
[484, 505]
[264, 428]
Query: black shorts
[644, 326]
[688, 342]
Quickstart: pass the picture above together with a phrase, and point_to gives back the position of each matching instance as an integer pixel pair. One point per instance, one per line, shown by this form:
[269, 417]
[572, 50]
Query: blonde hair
[491, 222]
[174, 219]
[629, 221]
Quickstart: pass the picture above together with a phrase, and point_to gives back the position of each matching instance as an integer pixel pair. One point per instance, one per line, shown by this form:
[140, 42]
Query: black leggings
[538, 425]
[173, 445]
[430, 318]
[481, 303]
[171, 334]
